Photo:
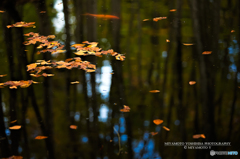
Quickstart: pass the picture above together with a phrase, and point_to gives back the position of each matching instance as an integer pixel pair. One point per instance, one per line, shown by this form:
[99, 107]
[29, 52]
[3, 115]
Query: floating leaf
[22, 24]
[41, 137]
[199, 136]
[159, 18]
[43, 12]
[192, 82]
[125, 109]
[74, 82]
[207, 52]
[13, 121]
[232, 31]
[188, 44]
[145, 20]
[14, 157]
[173, 10]
[13, 87]
[166, 128]
[157, 121]
[3, 75]
[73, 126]
[15, 127]
[103, 16]
[1, 11]
[167, 40]
[153, 133]
[154, 91]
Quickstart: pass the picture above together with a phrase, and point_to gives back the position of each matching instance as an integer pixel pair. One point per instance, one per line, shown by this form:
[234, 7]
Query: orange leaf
[154, 91]
[157, 121]
[154, 133]
[3, 75]
[41, 137]
[13, 121]
[145, 20]
[232, 31]
[173, 10]
[187, 44]
[1, 11]
[199, 136]
[15, 127]
[43, 12]
[164, 127]
[192, 82]
[73, 126]
[167, 40]
[207, 52]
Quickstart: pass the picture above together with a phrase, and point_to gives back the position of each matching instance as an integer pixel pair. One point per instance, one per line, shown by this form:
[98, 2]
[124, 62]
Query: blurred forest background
[209, 107]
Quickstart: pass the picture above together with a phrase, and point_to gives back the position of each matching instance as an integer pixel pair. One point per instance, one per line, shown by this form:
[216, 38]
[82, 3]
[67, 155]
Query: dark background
[209, 107]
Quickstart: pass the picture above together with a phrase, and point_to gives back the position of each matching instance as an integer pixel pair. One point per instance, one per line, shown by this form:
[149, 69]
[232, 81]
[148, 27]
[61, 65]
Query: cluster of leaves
[22, 24]
[50, 46]
[90, 48]
[76, 62]
[15, 84]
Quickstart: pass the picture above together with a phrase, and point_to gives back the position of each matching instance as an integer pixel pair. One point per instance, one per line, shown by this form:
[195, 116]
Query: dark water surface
[193, 40]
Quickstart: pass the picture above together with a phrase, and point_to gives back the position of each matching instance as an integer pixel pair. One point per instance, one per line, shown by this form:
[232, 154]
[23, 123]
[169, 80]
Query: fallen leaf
[164, 127]
[41, 137]
[13, 121]
[154, 133]
[15, 127]
[192, 82]
[13, 87]
[74, 82]
[173, 10]
[73, 126]
[188, 44]
[157, 121]
[207, 52]
[199, 136]
[154, 91]
[3, 75]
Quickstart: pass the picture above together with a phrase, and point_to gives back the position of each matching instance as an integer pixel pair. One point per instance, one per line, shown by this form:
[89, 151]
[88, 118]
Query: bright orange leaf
[73, 126]
[199, 136]
[207, 52]
[157, 121]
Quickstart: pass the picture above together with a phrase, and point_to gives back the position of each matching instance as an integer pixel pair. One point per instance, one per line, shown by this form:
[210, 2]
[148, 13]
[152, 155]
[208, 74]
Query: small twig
[119, 141]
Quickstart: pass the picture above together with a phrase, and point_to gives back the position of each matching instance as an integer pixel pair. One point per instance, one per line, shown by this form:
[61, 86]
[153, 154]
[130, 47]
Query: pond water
[170, 88]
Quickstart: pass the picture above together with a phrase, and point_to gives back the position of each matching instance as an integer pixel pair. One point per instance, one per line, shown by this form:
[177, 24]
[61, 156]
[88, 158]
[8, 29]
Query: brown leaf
[13, 121]
[43, 12]
[232, 31]
[157, 121]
